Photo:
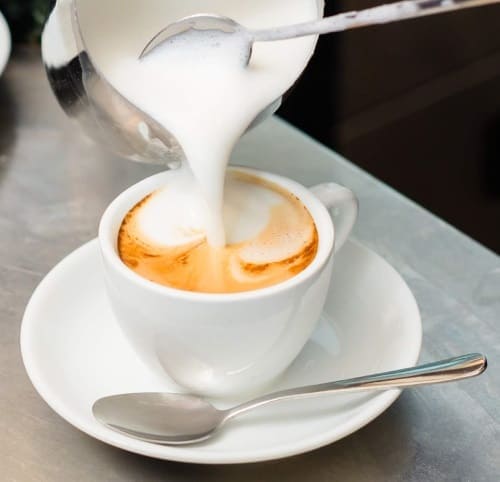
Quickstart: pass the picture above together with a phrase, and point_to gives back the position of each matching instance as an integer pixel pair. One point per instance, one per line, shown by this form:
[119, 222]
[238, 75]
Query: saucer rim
[5, 51]
[371, 409]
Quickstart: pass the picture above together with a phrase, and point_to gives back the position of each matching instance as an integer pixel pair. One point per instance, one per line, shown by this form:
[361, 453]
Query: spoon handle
[391, 12]
[448, 370]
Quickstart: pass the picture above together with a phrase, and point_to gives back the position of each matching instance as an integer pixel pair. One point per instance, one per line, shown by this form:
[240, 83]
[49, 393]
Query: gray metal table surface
[55, 184]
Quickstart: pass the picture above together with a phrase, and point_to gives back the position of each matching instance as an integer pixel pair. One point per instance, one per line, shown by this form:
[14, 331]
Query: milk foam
[198, 90]
[176, 215]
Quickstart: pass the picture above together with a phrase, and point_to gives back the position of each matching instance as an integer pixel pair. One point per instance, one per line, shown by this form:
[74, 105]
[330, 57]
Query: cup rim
[128, 198]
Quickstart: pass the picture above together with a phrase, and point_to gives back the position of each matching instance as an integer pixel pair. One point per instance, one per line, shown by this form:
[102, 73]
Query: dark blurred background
[416, 103]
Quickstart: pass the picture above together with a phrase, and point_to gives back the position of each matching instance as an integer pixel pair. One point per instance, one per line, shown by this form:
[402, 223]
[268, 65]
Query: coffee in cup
[271, 237]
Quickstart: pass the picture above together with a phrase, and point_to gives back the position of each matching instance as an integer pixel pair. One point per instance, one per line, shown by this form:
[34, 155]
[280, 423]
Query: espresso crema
[271, 238]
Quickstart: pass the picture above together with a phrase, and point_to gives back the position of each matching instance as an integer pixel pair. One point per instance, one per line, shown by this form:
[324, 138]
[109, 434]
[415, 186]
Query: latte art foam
[276, 240]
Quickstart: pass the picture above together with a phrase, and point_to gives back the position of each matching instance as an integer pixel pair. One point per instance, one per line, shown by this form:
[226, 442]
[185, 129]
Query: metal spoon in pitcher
[175, 418]
[392, 12]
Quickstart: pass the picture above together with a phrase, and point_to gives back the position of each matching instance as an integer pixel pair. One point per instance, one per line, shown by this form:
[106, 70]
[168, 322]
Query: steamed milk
[200, 91]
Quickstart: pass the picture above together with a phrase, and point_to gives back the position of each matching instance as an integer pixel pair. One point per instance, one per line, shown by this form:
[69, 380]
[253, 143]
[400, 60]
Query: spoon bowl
[202, 22]
[160, 417]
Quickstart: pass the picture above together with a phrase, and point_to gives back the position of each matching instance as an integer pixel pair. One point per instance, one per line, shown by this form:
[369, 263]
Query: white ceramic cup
[225, 344]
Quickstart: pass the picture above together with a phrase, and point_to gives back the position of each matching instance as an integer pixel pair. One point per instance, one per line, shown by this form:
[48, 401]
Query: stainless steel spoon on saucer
[175, 418]
[371, 16]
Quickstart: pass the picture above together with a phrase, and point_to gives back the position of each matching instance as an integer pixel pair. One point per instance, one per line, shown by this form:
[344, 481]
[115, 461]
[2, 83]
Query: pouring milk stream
[199, 90]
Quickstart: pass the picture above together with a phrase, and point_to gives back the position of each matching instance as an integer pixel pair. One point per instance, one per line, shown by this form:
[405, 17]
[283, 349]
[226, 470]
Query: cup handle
[343, 207]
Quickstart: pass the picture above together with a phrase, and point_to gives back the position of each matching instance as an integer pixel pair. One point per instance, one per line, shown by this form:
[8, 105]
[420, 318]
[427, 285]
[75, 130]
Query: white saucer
[4, 43]
[74, 353]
